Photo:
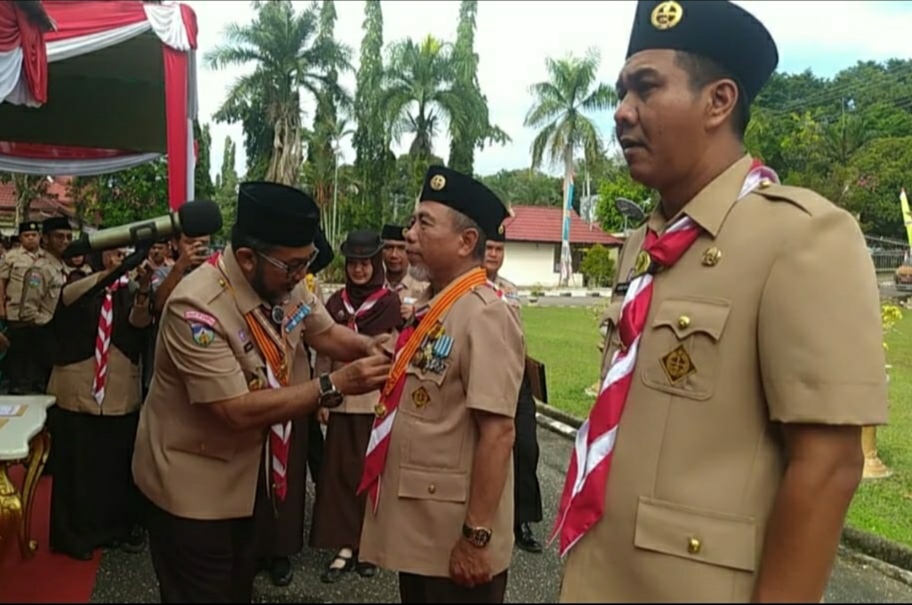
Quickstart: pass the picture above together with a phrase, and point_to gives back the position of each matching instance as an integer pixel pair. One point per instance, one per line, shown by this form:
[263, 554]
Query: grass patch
[565, 340]
[882, 506]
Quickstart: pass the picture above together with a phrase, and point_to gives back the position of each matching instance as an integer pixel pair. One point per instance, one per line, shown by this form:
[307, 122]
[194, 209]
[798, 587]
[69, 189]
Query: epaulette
[811, 202]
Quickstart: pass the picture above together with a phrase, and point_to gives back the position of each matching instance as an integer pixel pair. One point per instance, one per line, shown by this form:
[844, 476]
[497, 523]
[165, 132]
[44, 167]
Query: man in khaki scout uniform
[20, 363]
[230, 376]
[396, 264]
[526, 488]
[440, 507]
[40, 295]
[745, 325]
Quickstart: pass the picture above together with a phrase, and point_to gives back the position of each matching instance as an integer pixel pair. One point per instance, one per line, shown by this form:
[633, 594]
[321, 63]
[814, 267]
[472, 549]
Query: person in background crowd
[744, 349]
[396, 263]
[94, 502]
[159, 255]
[366, 306]
[279, 526]
[20, 364]
[77, 264]
[40, 295]
[439, 472]
[527, 498]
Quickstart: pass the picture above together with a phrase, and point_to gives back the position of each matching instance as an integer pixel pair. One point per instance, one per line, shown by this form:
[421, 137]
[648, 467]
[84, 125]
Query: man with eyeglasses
[231, 375]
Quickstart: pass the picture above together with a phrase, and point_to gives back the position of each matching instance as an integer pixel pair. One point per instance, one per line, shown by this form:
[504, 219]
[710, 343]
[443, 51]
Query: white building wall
[528, 264]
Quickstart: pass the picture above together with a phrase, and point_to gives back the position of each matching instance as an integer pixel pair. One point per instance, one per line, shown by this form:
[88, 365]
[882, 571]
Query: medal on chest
[434, 352]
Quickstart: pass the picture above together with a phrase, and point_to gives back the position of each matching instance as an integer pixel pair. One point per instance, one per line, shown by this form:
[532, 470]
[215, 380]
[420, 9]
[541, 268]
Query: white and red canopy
[112, 87]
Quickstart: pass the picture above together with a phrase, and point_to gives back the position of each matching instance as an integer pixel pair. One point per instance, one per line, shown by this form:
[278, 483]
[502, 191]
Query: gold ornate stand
[16, 506]
[873, 467]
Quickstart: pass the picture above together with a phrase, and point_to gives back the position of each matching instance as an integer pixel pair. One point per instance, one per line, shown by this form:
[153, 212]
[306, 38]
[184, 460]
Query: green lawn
[565, 340]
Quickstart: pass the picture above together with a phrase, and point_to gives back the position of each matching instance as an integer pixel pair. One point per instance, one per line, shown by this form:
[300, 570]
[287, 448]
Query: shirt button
[693, 545]
[683, 322]
[432, 489]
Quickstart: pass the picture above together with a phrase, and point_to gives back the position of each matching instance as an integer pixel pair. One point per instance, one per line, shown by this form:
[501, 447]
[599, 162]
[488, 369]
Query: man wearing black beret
[396, 263]
[214, 435]
[438, 469]
[743, 353]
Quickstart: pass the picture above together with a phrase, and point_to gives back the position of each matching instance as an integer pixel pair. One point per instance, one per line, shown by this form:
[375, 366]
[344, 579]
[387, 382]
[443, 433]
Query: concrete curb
[888, 557]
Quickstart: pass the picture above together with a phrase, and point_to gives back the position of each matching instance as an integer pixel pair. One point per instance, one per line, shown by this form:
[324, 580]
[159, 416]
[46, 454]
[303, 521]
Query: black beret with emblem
[276, 214]
[393, 233]
[500, 236]
[56, 223]
[465, 195]
[719, 30]
[361, 243]
[27, 226]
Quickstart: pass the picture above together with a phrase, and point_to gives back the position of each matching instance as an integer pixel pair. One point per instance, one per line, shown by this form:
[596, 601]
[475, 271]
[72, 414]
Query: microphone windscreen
[199, 218]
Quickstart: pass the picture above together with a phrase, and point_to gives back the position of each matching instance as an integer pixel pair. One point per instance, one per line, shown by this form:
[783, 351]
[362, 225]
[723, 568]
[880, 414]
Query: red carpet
[46, 577]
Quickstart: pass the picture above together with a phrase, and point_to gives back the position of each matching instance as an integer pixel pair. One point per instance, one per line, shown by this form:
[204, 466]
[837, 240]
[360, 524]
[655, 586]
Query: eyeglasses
[293, 269]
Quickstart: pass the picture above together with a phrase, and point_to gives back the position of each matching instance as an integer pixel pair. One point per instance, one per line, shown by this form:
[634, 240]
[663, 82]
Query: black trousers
[314, 448]
[28, 360]
[527, 499]
[202, 561]
[422, 589]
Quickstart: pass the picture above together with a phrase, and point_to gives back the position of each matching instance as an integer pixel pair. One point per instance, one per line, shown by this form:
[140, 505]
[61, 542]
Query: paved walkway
[533, 578]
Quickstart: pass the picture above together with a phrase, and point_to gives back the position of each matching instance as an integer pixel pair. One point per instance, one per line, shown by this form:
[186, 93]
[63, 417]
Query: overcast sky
[513, 39]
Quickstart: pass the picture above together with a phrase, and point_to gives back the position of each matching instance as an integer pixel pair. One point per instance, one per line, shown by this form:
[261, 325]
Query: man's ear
[246, 258]
[467, 243]
[722, 102]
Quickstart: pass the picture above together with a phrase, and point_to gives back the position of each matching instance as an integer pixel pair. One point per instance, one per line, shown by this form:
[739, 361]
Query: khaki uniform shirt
[187, 461]
[408, 288]
[72, 384]
[426, 482]
[41, 291]
[13, 267]
[776, 306]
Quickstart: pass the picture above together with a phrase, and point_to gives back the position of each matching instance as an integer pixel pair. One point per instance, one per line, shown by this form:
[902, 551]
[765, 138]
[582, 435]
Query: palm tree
[419, 96]
[288, 56]
[558, 113]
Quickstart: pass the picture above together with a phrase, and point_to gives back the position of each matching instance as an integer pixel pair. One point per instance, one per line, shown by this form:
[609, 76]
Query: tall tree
[28, 189]
[469, 129]
[202, 179]
[373, 161]
[226, 185]
[287, 57]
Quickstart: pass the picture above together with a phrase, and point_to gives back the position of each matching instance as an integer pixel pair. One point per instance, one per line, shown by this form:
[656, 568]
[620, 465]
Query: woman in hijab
[366, 306]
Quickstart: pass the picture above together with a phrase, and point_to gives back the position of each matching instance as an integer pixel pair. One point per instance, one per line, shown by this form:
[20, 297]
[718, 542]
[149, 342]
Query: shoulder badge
[34, 279]
[202, 335]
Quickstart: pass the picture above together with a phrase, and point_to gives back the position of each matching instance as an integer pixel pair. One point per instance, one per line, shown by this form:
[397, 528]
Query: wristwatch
[330, 397]
[477, 536]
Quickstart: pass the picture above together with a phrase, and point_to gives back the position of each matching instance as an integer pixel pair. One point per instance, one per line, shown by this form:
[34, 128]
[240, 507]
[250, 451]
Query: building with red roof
[533, 245]
[57, 202]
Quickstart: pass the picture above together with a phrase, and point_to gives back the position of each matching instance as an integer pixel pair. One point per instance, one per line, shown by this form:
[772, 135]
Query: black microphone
[194, 219]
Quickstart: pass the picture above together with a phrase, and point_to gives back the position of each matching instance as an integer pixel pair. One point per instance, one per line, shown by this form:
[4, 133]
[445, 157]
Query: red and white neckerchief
[366, 306]
[103, 339]
[583, 499]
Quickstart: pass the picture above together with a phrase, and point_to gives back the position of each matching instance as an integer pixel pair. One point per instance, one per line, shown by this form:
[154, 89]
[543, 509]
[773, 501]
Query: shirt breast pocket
[680, 350]
[422, 396]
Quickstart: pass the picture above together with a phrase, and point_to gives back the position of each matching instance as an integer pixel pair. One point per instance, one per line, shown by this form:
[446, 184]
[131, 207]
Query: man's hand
[469, 566]
[323, 416]
[362, 376]
[144, 277]
[195, 255]
[407, 311]
[378, 345]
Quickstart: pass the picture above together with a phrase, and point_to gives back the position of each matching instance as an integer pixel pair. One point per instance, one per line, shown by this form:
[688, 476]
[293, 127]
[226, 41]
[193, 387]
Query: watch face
[332, 400]
[482, 537]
